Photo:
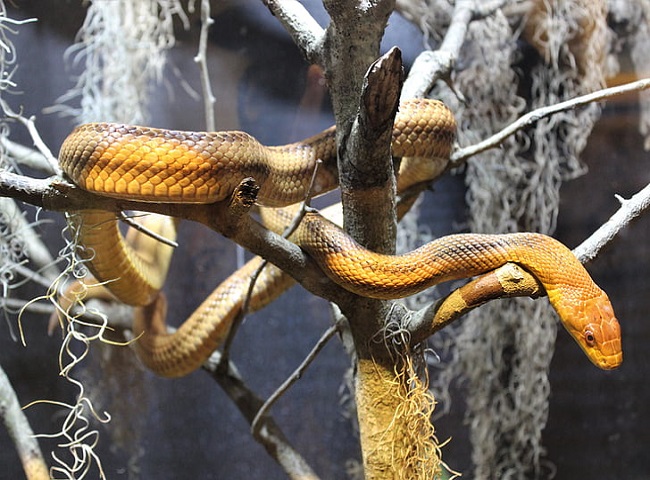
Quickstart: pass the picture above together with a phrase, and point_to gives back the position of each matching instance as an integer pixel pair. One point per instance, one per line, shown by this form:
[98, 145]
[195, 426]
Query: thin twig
[202, 60]
[530, 118]
[33, 276]
[293, 378]
[306, 203]
[629, 210]
[33, 307]
[36, 137]
[248, 403]
[225, 355]
[141, 228]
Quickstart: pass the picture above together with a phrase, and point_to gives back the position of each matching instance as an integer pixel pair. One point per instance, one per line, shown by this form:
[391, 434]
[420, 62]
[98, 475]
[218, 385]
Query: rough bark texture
[365, 95]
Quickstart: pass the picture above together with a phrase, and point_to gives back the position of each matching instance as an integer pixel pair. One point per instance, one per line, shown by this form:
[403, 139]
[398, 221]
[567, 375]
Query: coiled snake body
[149, 164]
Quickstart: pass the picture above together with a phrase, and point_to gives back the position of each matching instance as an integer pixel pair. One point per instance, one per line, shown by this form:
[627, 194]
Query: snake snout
[601, 336]
[611, 362]
[611, 347]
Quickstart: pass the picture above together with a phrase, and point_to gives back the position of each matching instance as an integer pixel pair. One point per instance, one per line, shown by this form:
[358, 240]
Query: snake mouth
[611, 362]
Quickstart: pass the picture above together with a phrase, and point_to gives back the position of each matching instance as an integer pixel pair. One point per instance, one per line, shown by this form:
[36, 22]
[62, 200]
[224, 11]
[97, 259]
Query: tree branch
[367, 181]
[21, 432]
[507, 281]
[27, 156]
[459, 156]
[249, 404]
[201, 59]
[307, 34]
[629, 210]
[53, 164]
[33, 245]
[431, 66]
[231, 219]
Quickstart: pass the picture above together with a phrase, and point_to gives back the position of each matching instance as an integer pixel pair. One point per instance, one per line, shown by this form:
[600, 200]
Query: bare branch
[297, 218]
[256, 425]
[507, 281]
[307, 34]
[367, 181]
[141, 228]
[270, 435]
[36, 137]
[231, 219]
[629, 210]
[26, 189]
[34, 246]
[27, 156]
[33, 307]
[530, 118]
[431, 66]
[21, 432]
[32, 276]
[201, 59]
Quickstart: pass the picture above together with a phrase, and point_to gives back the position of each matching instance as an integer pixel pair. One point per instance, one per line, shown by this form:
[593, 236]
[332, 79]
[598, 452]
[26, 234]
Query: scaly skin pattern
[146, 164]
[179, 353]
[134, 271]
[156, 165]
[583, 308]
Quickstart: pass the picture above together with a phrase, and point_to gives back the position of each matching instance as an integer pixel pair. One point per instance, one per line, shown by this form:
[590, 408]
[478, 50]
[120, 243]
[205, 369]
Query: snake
[158, 165]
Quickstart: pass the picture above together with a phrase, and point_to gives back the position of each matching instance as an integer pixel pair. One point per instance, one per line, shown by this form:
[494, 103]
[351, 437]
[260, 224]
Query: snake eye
[590, 338]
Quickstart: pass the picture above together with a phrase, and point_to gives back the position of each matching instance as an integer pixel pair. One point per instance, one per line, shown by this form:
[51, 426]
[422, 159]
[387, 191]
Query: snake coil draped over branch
[156, 165]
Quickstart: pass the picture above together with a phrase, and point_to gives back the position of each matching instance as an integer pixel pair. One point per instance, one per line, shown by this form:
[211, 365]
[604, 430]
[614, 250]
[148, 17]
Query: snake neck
[448, 258]
[582, 306]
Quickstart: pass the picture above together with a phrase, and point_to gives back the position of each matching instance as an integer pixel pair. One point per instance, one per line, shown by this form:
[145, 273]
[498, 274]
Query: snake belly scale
[155, 165]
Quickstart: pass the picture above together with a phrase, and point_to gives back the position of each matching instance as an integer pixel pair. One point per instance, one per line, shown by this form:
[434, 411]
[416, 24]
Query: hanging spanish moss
[11, 245]
[122, 51]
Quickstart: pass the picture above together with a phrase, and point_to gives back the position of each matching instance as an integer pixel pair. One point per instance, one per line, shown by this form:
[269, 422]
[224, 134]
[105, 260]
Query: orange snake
[155, 165]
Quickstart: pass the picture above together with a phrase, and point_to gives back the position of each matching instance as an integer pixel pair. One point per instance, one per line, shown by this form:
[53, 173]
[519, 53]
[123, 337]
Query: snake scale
[156, 165]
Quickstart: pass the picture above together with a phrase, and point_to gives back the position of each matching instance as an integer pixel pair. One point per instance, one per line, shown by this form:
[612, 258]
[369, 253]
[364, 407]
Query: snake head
[600, 333]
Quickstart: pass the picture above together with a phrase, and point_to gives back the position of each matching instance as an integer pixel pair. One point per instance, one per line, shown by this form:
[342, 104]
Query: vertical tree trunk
[365, 96]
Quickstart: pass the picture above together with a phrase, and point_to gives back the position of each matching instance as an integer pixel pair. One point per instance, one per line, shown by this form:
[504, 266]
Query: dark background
[187, 428]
